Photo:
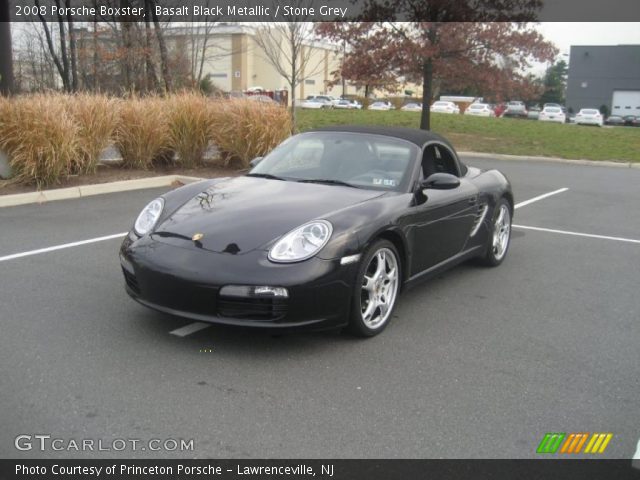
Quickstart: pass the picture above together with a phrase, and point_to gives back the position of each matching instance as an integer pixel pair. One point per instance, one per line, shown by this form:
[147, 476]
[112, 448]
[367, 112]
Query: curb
[44, 196]
[524, 158]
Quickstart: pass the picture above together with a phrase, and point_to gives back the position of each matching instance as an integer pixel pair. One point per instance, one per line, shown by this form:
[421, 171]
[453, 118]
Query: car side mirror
[440, 181]
[255, 161]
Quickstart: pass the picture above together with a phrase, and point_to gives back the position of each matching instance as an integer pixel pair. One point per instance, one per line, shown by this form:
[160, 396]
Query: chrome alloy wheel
[379, 288]
[501, 232]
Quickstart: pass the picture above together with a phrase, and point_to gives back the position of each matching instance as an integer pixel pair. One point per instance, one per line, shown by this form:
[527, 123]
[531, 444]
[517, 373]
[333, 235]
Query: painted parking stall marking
[189, 329]
[577, 234]
[539, 197]
[61, 247]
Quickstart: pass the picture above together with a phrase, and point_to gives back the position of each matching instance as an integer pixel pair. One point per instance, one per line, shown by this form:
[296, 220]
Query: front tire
[376, 290]
[499, 235]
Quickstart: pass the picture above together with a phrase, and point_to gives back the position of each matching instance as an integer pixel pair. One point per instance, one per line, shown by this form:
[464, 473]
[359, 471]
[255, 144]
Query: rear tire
[499, 237]
[376, 290]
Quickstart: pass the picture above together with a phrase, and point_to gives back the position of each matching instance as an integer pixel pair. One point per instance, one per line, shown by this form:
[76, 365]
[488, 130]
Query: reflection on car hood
[240, 214]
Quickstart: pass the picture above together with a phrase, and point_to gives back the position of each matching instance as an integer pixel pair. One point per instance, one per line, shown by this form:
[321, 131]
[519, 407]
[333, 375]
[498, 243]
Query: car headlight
[302, 243]
[148, 217]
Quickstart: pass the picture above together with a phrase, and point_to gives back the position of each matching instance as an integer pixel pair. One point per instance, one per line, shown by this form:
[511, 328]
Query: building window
[219, 75]
[309, 82]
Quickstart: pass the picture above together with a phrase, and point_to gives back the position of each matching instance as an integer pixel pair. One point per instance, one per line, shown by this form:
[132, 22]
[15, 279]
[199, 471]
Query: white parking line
[539, 197]
[60, 247]
[189, 329]
[577, 234]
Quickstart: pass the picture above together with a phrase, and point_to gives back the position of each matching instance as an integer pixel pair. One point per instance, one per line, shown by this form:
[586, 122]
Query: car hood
[240, 214]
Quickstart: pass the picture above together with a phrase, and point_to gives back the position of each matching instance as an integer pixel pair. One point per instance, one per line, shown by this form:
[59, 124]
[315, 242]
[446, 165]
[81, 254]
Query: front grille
[131, 280]
[252, 308]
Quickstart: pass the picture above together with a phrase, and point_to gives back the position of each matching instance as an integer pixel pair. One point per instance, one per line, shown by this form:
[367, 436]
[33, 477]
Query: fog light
[249, 291]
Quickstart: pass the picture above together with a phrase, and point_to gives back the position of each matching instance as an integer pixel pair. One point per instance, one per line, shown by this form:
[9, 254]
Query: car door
[441, 222]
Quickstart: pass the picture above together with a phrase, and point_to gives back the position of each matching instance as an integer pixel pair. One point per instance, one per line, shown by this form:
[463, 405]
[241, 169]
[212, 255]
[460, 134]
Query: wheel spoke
[381, 266]
[368, 284]
[370, 310]
[390, 275]
[383, 308]
[500, 219]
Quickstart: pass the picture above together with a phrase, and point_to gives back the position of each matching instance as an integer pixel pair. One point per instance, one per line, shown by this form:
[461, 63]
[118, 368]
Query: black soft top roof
[413, 135]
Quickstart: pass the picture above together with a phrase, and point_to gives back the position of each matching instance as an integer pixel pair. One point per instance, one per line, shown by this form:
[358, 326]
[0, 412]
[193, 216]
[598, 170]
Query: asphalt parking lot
[477, 362]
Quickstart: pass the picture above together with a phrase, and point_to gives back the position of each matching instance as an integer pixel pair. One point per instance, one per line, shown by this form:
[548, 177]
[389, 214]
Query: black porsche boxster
[325, 231]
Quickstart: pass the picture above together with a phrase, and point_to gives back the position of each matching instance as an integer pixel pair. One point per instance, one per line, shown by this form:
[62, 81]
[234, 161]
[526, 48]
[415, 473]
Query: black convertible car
[325, 231]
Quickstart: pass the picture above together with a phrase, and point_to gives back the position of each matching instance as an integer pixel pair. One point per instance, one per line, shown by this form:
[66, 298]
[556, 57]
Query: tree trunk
[127, 42]
[6, 60]
[72, 50]
[63, 51]
[164, 55]
[294, 81]
[427, 85]
[96, 84]
[152, 79]
[52, 50]
[293, 108]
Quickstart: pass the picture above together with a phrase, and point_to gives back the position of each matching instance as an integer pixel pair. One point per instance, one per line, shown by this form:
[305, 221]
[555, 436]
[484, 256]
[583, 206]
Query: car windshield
[360, 160]
[552, 110]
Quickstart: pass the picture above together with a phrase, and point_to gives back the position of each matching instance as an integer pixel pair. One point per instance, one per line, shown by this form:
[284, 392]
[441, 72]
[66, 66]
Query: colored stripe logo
[573, 442]
[550, 443]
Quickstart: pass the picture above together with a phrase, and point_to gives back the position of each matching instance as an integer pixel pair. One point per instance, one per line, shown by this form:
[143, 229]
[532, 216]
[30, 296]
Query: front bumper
[185, 281]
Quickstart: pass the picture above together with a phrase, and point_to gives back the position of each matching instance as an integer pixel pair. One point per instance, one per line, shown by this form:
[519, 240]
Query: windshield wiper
[328, 181]
[265, 175]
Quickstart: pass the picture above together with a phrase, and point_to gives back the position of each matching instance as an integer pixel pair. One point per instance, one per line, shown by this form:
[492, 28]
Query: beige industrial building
[227, 54]
[235, 62]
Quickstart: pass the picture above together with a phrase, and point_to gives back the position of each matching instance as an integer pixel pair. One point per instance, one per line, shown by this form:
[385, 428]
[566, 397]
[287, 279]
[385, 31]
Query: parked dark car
[324, 232]
[631, 121]
[614, 120]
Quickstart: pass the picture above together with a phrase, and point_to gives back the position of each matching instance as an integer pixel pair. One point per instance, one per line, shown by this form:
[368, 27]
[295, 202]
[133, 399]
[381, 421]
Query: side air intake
[480, 214]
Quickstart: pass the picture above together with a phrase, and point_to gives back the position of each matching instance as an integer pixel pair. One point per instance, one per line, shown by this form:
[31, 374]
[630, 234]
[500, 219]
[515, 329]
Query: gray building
[604, 75]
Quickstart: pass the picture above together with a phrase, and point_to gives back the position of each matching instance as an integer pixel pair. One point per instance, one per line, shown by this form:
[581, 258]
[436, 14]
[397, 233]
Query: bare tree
[288, 47]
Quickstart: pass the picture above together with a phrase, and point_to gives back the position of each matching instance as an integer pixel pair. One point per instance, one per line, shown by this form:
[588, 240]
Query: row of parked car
[627, 120]
[550, 112]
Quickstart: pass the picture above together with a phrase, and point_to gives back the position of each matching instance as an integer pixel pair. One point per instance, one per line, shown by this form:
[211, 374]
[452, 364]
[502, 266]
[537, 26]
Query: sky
[565, 34]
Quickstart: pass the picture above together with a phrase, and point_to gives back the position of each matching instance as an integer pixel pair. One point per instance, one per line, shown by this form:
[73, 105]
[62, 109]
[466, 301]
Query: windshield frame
[405, 182]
